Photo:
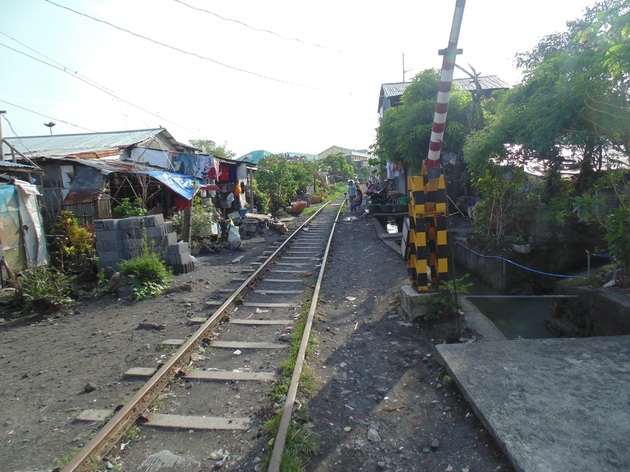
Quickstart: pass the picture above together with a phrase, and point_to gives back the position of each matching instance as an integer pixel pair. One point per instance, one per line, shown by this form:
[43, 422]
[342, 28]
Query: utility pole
[426, 247]
[2, 112]
[446, 81]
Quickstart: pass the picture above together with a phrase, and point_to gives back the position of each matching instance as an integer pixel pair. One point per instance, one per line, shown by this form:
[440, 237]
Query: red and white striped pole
[444, 91]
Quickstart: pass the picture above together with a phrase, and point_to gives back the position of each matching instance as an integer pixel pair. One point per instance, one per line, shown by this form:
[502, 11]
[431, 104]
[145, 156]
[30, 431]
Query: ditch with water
[519, 316]
[516, 316]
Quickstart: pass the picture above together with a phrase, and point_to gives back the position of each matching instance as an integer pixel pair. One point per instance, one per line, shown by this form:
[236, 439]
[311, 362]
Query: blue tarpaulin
[183, 185]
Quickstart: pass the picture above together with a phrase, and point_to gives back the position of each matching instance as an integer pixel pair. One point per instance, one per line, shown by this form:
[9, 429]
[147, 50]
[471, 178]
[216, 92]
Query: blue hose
[521, 266]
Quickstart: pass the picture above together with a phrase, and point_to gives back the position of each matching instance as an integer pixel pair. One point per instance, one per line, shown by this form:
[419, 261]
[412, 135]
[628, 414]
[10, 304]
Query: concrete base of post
[413, 303]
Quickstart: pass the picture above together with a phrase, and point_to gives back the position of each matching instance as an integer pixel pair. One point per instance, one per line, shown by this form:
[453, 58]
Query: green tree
[210, 147]
[279, 179]
[337, 166]
[571, 109]
[404, 133]
[574, 97]
[363, 173]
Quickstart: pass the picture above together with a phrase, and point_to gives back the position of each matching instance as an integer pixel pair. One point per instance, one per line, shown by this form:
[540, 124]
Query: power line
[66, 69]
[252, 27]
[46, 116]
[95, 85]
[18, 138]
[199, 56]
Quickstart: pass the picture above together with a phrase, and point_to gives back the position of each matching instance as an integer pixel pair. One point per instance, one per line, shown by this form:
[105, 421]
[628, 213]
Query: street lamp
[50, 126]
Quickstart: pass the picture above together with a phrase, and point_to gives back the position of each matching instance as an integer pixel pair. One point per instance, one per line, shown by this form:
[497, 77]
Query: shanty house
[89, 173]
[22, 239]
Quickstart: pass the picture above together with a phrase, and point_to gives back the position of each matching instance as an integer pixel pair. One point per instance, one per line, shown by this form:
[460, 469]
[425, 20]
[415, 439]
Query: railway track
[212, 387]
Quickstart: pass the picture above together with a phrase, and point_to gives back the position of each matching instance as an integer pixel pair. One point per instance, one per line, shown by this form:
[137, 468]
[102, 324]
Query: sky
[278, 75]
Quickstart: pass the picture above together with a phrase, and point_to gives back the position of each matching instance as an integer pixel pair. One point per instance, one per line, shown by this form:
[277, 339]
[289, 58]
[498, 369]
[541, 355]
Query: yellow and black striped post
[426, 249]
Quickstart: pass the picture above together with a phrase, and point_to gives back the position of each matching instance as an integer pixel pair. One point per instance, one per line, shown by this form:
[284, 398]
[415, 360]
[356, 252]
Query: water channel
[521, 316]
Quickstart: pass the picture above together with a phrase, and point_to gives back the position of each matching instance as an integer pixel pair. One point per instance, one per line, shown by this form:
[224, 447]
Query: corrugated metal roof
[95, 144]
[394, 89]
[14, 166]
[489, 82]
[109, 166]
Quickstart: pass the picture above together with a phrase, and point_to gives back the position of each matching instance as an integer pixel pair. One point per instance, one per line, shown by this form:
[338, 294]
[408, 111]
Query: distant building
[299, 156]
[256, 156]
[354, 156]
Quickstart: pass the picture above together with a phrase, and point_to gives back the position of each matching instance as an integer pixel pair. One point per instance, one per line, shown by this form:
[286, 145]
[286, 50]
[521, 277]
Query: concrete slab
[248, 345]
[551, 404]
[159, 420]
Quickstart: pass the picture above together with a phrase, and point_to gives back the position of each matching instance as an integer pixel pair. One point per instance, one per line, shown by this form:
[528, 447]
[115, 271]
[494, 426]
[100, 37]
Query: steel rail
[107, 437]
[287, 409]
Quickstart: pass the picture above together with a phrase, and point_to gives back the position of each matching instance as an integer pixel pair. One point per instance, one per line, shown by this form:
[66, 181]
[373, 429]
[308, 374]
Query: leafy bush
[149, 274]
[446, 302]
[261, 199]
[44, 289]
[617, 227]
[74, 244]
[592, 207]
[128, 208]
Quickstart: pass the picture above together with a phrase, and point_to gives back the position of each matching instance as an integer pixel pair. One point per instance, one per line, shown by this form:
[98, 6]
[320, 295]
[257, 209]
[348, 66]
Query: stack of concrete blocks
[122, 239]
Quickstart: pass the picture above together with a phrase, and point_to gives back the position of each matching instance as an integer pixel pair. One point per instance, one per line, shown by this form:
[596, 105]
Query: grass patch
[132, 434]
[300, 441]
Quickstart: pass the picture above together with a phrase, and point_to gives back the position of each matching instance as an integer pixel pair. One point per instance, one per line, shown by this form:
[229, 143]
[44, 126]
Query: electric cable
[260, 30]
[19, 139]
[183, 51]
[95, 85]
[46, 116]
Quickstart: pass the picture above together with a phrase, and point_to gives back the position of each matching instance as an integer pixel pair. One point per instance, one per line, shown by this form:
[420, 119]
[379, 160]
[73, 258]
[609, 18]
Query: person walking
[352, 191]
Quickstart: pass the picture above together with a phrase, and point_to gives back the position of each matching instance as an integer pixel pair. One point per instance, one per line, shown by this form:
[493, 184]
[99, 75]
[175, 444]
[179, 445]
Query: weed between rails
[300, 439]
